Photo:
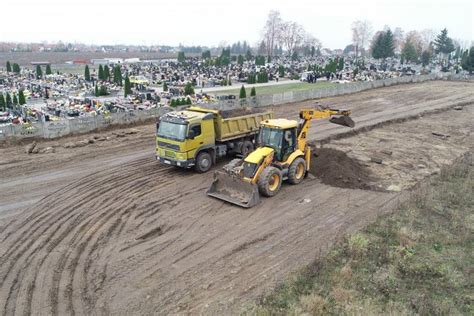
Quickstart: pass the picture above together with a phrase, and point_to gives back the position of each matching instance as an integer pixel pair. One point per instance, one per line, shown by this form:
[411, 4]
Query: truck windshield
[271, 137]
[172, 130]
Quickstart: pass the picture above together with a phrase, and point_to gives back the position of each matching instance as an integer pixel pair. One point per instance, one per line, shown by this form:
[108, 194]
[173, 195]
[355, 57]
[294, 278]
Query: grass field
[281, 88]
[417, 260]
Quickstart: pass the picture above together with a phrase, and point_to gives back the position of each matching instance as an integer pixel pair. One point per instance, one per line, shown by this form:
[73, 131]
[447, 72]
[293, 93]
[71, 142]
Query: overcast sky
[209, 22]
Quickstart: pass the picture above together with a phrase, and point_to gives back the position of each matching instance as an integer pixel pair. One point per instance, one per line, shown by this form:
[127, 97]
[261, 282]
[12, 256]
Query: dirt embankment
[105, 229]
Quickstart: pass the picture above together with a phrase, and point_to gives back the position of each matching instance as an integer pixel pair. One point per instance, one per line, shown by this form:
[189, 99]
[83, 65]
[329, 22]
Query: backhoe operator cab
[280, 135]
[277, 157]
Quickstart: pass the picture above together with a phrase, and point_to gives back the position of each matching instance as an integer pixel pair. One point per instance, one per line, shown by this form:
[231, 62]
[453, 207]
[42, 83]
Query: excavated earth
[98, 226]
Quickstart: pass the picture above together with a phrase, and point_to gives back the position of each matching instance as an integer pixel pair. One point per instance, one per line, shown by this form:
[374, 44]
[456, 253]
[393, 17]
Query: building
[40, 63]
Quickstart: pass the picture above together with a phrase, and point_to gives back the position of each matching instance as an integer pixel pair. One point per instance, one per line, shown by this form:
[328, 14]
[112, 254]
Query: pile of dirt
[335, 168]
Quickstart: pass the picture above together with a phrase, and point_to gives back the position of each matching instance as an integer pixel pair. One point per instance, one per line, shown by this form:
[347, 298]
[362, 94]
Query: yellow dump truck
[197, 137]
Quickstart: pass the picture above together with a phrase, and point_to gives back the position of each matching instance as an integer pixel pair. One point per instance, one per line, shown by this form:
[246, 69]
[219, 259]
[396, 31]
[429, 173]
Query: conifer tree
[9, 66]
[21, 97]
[409, 53]
[16, 68]
[425, 58]
[39, 72]
[15, 100]
[388, 46]
[165, 86]
[87, 74]
[248, 55]
[101, 73]
[48, 70]
[467, 61]
[181, 57]
[127, 87]
[443, 44]
[253, 92]
[8, 99]
[117, 75]
[188, 89]
[103, 90]
[3, 104]
[106, 73]
[243, 93]
[206, 54]
[281, 71]
[383, 46]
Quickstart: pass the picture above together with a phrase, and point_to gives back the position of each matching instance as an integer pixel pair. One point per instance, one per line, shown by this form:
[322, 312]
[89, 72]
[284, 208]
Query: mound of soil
[335, 168]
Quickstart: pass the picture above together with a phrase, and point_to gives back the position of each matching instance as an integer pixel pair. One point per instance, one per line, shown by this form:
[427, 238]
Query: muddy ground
[103, 228]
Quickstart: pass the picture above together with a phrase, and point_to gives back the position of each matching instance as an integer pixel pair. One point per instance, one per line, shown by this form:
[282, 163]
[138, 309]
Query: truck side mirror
[191, 134]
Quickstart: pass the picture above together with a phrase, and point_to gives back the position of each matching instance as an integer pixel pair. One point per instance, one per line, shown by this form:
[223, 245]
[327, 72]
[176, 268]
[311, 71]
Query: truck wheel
[247, 148]
[203, 162]
[269, 182]
[297, 171]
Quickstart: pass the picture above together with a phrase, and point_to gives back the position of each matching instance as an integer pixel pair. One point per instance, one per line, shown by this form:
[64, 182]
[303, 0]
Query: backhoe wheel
[247, 148]
[297, 171]
[269, 182]
[203, 162]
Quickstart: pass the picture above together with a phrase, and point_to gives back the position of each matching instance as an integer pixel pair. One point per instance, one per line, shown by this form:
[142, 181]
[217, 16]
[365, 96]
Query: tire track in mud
[13, 255]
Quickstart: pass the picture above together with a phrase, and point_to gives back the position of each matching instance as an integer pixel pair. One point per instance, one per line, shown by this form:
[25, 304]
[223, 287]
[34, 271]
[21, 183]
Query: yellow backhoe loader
[283, 154]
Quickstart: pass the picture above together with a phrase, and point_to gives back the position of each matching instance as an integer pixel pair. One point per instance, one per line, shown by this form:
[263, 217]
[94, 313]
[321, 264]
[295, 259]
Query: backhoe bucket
[234, 190]
[342, 120]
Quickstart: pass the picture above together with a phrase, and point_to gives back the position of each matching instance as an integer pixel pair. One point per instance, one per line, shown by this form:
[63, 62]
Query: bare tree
[427, 36]
[292, 35]
[361, 32]
[416, 39]
[261, 48]
[271, 31]
[398, 39]
[310, 44]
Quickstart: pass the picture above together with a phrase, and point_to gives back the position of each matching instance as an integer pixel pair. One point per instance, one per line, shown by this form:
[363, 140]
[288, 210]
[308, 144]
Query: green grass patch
[417, 260]
[281, 88]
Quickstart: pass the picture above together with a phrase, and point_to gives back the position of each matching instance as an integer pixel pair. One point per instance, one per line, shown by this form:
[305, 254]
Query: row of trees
[13, 68]
[8, 101]
[288, 34]
[39, 72]
[414, 47]
[104, 74]
[181, 101]
[261, 77]
[243, 92]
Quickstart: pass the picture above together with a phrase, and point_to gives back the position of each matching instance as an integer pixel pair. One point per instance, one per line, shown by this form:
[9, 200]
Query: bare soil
[104, 228]
[334, 167]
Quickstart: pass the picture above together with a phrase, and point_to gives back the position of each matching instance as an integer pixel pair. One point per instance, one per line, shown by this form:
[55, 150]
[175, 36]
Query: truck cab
[180, 135]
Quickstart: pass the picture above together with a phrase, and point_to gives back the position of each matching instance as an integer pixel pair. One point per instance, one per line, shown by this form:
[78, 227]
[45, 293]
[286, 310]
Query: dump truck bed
[239, 126]
[235, 123]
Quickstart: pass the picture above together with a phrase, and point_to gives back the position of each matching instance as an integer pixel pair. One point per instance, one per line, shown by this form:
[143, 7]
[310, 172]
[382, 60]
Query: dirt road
[103, 228]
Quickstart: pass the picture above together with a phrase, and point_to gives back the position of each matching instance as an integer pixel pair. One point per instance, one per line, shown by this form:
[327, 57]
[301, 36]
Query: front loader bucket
[342, 120]
[234, 190]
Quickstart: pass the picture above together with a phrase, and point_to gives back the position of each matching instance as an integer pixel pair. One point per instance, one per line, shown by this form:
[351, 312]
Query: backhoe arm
[307, 115]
